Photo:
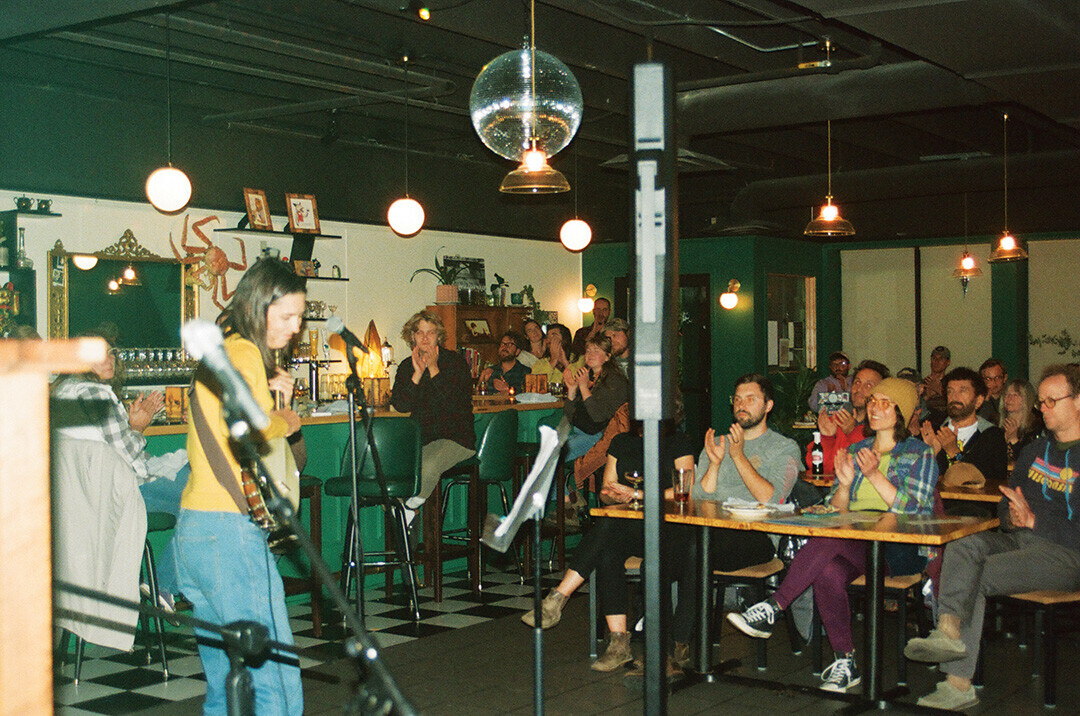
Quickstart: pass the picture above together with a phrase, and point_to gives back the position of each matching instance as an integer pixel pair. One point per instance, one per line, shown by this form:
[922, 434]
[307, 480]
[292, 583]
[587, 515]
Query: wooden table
[875, 528]
[987, 493]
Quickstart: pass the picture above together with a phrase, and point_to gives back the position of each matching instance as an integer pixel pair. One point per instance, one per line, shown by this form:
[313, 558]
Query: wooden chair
[756, 578]
[900, 588]
[1044, 605]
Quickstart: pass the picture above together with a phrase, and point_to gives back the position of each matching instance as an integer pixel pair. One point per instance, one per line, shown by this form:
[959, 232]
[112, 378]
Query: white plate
[749, 513]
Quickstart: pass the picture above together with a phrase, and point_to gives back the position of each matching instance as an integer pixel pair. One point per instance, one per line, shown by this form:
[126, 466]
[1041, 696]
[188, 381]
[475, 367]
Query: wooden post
[25, 522]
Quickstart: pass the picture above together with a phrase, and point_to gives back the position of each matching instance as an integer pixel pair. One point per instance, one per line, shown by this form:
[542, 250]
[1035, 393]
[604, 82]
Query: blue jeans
[578, 443]
[227, 572]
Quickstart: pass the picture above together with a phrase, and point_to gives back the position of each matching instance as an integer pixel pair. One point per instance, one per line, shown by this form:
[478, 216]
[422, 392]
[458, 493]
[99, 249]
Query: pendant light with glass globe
[526, 106]
[406, 215]
[168, 188]
[575, 234]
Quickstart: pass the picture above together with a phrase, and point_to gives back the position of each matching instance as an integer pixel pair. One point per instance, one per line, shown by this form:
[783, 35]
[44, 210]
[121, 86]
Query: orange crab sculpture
[214, 263]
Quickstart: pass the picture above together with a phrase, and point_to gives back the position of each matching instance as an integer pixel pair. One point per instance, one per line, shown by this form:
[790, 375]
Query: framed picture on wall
[303, 215]
[478, 329]
[258, 210]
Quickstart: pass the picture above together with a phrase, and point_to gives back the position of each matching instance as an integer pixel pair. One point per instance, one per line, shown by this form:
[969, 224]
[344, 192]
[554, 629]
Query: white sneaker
[947, 696]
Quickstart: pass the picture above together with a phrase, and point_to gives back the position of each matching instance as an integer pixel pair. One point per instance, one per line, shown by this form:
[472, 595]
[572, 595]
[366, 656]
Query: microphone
[203, 341]
[336, 325]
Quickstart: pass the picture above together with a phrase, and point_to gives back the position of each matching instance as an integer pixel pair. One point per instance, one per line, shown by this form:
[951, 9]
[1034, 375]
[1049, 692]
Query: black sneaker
[758, 620]
[841, 675]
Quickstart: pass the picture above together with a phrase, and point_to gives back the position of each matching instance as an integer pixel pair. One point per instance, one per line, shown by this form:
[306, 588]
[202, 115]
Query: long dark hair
[900, 429]
[265, 282]
[567, 340]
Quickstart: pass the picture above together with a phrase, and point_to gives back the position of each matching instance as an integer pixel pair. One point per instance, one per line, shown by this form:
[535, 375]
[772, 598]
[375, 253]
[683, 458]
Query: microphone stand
[377, 692]
[354, 388]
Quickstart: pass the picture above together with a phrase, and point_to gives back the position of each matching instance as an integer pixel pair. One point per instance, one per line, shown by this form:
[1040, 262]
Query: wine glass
[636, 479]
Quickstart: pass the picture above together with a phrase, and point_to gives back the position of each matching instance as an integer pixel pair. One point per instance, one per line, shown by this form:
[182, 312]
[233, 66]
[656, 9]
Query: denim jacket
[912, 470]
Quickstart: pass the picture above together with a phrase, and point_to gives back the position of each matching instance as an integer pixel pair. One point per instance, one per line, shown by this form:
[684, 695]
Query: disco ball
[502, 106]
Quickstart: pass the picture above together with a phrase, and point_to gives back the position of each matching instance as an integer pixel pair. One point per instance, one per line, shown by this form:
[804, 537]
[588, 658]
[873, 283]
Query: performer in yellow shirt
[224, 564]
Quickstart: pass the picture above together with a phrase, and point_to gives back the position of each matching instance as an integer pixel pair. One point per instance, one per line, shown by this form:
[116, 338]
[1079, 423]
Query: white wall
[878, 294]
[377, 262]
[879, 306]
[1053, 268]
[962, 323]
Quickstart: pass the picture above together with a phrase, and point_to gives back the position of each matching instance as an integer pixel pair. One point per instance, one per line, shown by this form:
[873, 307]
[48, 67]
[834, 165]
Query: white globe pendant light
[575, 235]
[406, 216]
[168, 189]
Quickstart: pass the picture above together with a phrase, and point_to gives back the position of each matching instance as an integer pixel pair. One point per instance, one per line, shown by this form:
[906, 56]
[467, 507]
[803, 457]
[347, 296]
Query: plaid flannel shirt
[107, 415]
[912, 470]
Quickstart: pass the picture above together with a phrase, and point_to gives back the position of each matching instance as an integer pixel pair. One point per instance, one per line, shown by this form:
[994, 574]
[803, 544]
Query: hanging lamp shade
[829, 222]
[534, 176]
[967, 270]
[1008, 248]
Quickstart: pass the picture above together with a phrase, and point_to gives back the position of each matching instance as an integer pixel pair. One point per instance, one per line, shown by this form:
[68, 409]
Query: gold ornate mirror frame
[126, 248]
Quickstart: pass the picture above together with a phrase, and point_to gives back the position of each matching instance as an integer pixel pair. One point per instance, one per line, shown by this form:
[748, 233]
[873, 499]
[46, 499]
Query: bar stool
[398, 443]
[493, 464]
[310, 490]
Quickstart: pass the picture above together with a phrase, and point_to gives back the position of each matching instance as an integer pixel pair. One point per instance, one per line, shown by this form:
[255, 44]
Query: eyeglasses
[1049, 403]
[743, 400]
[873, 400]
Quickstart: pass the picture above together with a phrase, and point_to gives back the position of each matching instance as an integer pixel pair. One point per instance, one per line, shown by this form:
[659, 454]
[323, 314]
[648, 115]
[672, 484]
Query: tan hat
[902, 392]
[963, 474]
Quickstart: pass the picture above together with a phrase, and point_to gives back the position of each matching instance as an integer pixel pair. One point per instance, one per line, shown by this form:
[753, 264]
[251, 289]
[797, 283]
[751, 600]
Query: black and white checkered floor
[119, 683]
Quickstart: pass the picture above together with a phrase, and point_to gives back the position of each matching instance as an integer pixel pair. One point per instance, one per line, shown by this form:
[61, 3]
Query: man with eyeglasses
[966, 437]
[995, 376]
[508, 372]
[1037, 548]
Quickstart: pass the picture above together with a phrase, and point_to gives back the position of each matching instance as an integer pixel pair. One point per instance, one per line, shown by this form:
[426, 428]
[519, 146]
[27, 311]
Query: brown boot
[672, 668]
[618, 652]
[681, 655]
[550, 610]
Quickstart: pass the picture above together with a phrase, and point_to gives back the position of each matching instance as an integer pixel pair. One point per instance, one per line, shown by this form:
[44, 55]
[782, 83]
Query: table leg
[704, 615]
[874, 611]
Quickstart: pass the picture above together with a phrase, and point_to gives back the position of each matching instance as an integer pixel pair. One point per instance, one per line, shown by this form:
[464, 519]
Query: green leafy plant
[1061, 340]
[444, 274]
[792, 390]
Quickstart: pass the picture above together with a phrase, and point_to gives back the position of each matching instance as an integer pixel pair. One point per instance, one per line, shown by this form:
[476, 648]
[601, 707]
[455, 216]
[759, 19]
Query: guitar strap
[214, 455]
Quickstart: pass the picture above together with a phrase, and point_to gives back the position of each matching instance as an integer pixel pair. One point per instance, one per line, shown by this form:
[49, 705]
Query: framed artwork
[258, 210]
[478, 329]
[304, 268]
[303, 215]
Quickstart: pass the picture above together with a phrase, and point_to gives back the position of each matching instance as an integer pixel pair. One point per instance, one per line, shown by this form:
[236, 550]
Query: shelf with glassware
[17, 269]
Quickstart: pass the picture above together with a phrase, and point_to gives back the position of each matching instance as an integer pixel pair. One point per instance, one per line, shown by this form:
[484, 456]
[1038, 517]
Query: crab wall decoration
[214, 263]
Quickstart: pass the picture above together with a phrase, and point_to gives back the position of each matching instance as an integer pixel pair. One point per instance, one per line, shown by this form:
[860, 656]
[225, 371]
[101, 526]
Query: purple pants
[828, 565]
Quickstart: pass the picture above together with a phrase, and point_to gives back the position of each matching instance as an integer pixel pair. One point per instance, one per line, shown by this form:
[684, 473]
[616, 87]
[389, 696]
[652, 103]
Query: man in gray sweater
[1037, 548]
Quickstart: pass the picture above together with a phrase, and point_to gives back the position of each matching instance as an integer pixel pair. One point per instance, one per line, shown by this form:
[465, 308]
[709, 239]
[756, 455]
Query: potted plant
[446, 292]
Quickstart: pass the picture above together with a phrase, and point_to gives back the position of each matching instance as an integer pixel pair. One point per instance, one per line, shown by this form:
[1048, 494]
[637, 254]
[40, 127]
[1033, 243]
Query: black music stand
[499, 533]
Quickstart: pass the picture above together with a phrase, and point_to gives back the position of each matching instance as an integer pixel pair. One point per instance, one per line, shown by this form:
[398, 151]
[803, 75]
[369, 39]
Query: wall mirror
[146, 296]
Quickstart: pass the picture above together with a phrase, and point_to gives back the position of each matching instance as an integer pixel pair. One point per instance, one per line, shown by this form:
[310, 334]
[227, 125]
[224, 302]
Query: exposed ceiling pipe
[926, 179]
[864, 62]
[802, 99]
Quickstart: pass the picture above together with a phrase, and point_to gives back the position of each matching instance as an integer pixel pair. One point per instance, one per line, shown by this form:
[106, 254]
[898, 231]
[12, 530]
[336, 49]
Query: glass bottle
[23, 260]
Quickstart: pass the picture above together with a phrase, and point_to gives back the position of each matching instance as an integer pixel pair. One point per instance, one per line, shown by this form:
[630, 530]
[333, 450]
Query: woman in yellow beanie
[887, 472]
